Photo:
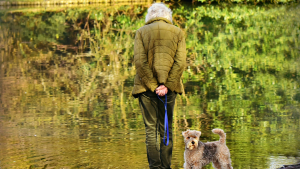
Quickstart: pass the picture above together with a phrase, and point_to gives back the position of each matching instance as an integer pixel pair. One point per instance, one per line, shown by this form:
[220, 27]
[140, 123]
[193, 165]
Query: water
[67, 74]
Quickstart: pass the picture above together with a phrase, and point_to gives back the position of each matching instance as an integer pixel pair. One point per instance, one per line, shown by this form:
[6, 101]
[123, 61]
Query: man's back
[160, 43]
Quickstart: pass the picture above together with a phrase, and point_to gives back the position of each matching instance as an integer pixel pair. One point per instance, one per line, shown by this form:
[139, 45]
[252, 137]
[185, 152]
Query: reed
[44, 3]
[77, 63]
[84, 2]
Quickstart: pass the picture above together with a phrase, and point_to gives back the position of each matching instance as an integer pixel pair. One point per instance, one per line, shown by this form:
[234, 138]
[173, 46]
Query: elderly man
[160, 58]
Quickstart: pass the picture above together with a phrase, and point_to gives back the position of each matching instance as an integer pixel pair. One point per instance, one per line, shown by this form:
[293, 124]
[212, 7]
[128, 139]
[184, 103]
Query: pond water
[66, 75]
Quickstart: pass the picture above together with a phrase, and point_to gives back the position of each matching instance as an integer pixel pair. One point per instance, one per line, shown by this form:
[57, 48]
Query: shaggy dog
[198, 154]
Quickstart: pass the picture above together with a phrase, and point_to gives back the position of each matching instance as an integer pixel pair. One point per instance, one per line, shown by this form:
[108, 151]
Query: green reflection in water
[66, 79]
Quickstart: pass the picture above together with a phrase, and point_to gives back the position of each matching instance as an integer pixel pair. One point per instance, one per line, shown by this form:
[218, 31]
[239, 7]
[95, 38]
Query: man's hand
[161, 90]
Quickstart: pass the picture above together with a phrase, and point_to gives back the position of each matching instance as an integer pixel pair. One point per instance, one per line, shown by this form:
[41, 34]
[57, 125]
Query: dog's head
[191, 138]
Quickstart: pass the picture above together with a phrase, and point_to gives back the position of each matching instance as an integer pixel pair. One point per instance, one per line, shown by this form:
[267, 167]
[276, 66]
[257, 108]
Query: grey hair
[159, 10]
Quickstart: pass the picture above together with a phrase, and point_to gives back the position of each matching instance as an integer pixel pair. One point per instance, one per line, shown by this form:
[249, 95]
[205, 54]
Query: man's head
[159, 10]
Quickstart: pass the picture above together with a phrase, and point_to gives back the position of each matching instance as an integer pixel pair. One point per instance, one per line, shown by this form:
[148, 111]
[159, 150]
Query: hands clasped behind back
[161, 90]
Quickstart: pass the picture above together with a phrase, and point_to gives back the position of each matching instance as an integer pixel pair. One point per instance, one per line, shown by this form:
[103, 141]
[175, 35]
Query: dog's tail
[221, 133]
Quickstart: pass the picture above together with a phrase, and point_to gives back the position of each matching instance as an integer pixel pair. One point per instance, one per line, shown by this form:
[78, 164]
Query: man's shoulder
[159, 26]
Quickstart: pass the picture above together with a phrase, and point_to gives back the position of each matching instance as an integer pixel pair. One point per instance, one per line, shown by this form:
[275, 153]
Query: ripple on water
[65, 103]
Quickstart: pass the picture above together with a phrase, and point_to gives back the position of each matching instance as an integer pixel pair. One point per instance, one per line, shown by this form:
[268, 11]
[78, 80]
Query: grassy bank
[73, 69]
[67, 2]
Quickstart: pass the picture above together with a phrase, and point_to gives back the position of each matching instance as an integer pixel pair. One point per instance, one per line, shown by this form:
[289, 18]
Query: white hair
[159, 10]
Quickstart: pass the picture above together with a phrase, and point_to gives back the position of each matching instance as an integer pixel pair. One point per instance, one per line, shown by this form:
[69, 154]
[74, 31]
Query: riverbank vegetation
[77, 63]
[105, 2]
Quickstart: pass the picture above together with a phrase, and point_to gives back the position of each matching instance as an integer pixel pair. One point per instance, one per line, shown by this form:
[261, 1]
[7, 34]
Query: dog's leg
[227, 166]
[217, 164]
[198, 165]
[225, 163]
[187, 166]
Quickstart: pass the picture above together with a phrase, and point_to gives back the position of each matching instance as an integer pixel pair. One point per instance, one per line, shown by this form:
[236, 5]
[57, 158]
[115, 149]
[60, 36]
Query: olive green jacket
[159, 56]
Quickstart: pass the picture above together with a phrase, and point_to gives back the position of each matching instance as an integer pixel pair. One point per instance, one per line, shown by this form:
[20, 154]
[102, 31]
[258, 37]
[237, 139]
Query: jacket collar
[158, 19]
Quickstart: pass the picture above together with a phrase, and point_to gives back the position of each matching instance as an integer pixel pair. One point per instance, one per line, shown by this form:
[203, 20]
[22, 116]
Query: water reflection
[66, 79]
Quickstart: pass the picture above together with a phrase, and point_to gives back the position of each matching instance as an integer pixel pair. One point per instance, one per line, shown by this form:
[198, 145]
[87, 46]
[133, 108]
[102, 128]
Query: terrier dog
[198, 154]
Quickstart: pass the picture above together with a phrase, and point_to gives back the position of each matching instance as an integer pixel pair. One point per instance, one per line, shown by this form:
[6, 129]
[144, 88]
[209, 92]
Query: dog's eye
[188, 137]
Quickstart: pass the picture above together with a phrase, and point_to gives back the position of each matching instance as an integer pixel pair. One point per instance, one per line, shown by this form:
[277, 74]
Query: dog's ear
[184, 133]
[198, 134]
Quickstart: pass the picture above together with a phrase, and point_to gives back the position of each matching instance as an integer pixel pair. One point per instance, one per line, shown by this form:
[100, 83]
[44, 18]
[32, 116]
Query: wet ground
[66, 76]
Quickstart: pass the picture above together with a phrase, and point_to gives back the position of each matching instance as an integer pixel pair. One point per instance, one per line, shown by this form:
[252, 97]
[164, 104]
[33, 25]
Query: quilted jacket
[159, 56]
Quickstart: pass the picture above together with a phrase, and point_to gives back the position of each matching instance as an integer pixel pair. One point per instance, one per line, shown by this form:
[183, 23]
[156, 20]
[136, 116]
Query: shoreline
[69, 2]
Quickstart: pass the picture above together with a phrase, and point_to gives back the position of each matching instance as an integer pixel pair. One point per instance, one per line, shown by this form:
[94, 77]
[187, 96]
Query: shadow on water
[67, 74]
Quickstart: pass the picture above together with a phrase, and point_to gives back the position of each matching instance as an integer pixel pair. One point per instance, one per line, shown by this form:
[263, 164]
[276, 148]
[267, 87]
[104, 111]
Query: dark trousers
[154, 114]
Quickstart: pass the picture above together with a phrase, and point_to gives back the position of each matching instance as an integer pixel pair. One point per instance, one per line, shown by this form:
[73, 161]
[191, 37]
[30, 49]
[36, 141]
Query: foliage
[74, 67]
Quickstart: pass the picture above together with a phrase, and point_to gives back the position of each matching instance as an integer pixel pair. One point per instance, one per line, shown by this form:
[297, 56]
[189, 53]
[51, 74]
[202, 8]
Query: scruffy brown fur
[198, 154]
